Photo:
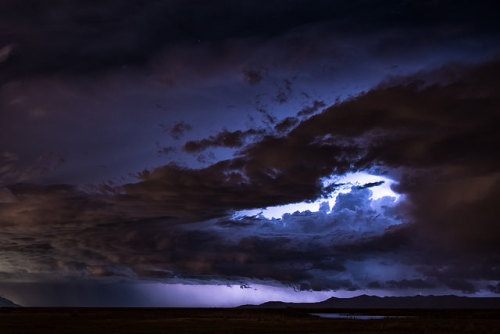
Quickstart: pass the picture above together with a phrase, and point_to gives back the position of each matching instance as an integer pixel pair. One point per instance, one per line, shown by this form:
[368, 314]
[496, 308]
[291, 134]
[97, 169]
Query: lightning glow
[346, 183]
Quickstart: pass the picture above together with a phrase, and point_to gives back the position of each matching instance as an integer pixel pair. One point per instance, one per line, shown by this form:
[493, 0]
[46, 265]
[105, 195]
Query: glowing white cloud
[348, 181]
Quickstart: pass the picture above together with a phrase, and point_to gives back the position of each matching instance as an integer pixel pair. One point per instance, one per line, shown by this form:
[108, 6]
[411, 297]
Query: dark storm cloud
[460, 285]
[413, 284]
[15, 169]
[70, 69]
[206, 158]
[158, 250]
[438, 138]
[77, 293]
[230, 139]
[286, 124]
[284, 91]
[82, 36]
[494, 288]
[178, 130]
[371, 184]
[268, 118]
[166, 150]
[308, 110]
[253, 74]
[435, 133]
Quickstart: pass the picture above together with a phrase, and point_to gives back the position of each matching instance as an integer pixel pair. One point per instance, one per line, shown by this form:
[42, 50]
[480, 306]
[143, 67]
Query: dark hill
[364, 301]
[4, 302]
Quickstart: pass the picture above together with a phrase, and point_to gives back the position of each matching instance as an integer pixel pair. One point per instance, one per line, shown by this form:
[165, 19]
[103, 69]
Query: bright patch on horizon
[218, 295]
[347, 181]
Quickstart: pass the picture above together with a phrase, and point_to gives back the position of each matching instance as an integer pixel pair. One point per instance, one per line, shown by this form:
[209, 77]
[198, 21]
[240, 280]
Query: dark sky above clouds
[144, 146]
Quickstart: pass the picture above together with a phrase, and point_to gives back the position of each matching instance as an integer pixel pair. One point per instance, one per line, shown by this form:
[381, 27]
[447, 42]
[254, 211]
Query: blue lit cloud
[343, 184]
[336, 146]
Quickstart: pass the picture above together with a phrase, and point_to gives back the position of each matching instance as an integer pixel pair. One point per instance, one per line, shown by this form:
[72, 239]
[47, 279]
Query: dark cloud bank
[435, 133]
[81, 37]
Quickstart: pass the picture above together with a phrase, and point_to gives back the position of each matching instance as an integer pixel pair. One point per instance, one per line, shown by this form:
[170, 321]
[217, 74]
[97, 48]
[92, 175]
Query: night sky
[217, 153]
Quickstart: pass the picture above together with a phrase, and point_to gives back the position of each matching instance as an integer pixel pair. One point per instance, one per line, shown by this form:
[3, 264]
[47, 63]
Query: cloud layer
[435, 133]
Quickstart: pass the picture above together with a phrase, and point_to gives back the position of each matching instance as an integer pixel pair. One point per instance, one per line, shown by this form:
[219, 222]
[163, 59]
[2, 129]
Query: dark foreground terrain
[164, 320]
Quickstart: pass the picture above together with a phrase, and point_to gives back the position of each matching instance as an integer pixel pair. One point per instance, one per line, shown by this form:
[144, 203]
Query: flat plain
[237, 320]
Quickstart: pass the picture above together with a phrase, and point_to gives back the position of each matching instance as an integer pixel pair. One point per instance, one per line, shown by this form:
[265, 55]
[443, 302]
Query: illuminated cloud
[176, 222]
[324, 149]
[380, 187]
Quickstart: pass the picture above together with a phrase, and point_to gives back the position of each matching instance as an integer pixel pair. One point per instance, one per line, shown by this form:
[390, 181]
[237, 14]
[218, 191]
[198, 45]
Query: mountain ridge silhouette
[366, 301]
[4, 302]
